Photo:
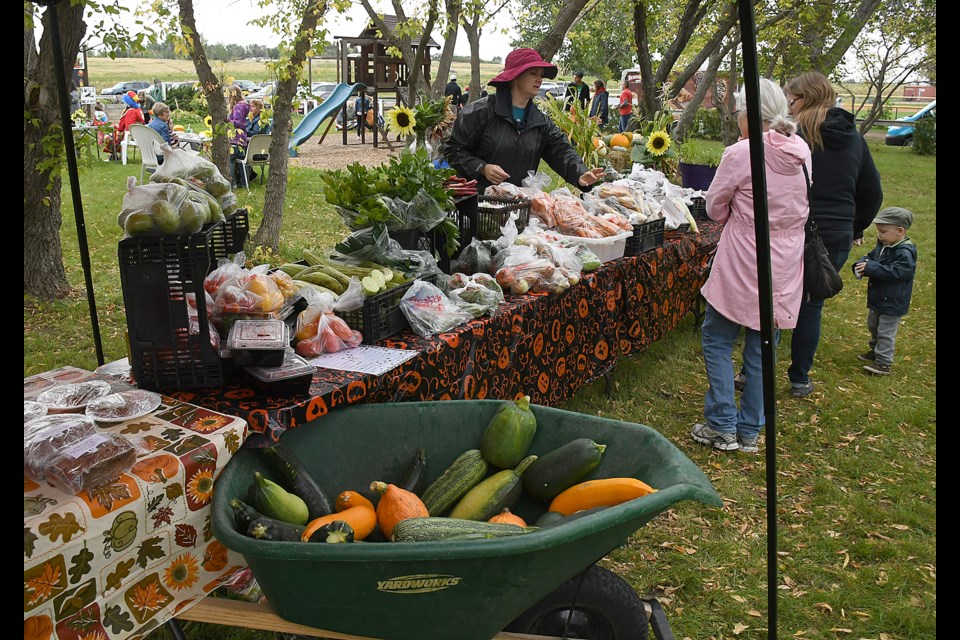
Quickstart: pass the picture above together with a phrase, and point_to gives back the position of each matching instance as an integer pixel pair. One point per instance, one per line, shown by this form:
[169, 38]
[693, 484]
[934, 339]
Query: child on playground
[891, 267]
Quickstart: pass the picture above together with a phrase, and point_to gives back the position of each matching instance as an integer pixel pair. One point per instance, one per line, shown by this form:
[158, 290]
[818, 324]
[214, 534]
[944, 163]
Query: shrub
[925, 137]
[180, 97]
[696, 151]
[707, 124]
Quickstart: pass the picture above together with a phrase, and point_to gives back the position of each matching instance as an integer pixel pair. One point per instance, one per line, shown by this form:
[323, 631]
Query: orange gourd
[620, 140]
[604, 492]
[505, 517]
[349, 499]
[363, 519]
[37, 628]
[396, 505]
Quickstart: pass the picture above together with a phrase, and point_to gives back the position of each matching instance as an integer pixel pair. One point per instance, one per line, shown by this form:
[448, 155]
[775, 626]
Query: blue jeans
[806, 336]
[719, 405]
[624, 121]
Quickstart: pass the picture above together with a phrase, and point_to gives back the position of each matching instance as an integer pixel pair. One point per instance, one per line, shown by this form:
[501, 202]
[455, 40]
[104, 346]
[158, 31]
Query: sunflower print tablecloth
[544, 346]
[120, 560]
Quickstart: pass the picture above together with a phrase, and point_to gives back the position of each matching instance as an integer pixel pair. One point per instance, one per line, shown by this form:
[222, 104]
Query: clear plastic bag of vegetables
[430, 311]
[422, 212]
[374, 244]
[320, 330]
[155, 209]
[180, 163]
[479, 294]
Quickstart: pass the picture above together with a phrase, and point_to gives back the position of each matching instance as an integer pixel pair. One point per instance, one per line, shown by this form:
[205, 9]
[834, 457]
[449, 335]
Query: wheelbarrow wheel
[595, 604]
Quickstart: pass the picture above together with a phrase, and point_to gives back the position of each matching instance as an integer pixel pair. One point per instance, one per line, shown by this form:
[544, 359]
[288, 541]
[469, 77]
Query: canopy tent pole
[70, 150]
[751, 83]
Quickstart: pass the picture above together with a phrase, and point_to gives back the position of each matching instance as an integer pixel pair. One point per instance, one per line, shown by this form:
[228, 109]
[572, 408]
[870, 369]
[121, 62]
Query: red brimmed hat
[519, 60]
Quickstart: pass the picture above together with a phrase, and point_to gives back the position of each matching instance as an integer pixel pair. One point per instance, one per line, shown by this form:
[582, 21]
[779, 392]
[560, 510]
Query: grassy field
[856, 459]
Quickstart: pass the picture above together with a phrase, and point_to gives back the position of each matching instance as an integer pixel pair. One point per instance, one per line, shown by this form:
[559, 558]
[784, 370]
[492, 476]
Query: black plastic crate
[699, 208]
[157, 276]
[494, 211]
[381, 316]
[227, 239]
[646, 236]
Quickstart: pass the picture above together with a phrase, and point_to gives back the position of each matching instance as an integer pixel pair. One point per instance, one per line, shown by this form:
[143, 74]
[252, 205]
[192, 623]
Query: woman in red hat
[503, 136]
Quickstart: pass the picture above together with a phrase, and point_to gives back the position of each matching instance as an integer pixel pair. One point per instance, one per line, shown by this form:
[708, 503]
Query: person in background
[362, 105]
[501, 137]
[131, 115]
[732, 290]
[600, 107]
[238, 137]
[890, 267]
[99, 114]
[464, 98]
[255, 125]
[160, 122]
[146, 105]
[453, 90]
[577, 90]
[156, 91]
[845, 195]
[625, 108]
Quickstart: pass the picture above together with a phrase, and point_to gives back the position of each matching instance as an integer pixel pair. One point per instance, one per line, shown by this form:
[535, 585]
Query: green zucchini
[415, 480]
[508, 435]
[295, 478]
[431, 529]
[576, 515]
[273, 501]
[264, 528]
[555, 472]
[548, 518]
[498, 492]
[461, 476]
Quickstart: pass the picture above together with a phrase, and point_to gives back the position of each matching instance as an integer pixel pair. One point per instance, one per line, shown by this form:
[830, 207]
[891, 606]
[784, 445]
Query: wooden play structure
[364, 59]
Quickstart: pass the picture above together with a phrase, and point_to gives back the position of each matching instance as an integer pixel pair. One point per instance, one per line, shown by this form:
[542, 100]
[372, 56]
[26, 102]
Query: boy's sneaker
[801, 390]
[748, 444]
[878, 369]
[869, 356]
[739, 382]
[703, 434]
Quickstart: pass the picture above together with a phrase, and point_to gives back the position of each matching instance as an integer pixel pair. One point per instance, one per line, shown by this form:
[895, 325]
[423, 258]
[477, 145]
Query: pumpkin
[159, 468]
[619, 140]
[505, 517]
[396, 505]
[349, 499]
[363, 519]
[37, 628]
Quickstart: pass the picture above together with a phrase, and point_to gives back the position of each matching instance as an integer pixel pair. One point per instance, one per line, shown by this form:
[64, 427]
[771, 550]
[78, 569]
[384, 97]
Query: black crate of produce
[228, 238]
[494, 211]
[646, 236]
[381, 316]
[157, 276]
[699, 208]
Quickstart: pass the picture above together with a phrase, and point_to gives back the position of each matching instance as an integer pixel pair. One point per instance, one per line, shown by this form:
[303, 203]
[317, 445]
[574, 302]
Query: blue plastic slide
[311, 122]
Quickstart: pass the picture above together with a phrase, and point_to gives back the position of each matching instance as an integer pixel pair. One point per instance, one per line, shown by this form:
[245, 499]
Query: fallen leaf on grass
[841, 630]
[886, 636]
[917, 602]
[900, 527]
[739, 628]
[825, 606]
[754, 613]
[739, 599]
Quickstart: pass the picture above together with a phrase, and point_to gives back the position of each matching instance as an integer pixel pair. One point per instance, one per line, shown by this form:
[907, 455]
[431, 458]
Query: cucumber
[508, 435]
[370, 286]
[555, 522]
[292, 268]
[294, 477]
[461, 476]
[557, 471]
[415, 480]
[273, 501]
[264, 528]
[498, 492]
[431, 529]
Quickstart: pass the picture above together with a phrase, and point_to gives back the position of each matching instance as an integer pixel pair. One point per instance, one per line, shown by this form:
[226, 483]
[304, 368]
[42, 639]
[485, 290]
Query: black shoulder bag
[820, 278]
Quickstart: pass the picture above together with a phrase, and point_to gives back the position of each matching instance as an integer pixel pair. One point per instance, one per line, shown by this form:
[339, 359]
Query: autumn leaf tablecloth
[120, 560]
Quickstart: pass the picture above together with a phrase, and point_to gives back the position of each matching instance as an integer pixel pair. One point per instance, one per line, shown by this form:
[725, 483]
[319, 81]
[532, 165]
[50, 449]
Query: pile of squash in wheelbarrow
[462, 503]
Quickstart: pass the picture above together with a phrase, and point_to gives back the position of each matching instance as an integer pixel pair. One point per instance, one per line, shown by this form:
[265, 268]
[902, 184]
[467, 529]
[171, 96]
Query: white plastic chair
[258, 145]
[126, 141]
[149, 142]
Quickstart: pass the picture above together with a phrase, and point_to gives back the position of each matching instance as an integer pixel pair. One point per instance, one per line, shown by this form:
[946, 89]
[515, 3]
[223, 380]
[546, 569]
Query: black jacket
[584, 95]
[601, 106]
[891, 271]
[453, 89]
[845, 194]
[485, 133]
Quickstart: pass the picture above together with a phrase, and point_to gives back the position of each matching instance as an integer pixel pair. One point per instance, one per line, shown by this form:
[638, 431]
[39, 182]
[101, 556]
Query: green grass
[856, 459]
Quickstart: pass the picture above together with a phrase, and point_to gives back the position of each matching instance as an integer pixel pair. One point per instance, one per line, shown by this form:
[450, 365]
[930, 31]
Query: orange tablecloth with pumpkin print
[542, 345]
[122, 559]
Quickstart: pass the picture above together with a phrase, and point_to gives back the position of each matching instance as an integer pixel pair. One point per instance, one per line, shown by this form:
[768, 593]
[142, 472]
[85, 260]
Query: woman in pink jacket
[731, 291]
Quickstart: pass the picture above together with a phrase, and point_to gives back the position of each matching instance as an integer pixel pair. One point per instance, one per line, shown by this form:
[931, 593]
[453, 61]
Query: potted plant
[698, 163]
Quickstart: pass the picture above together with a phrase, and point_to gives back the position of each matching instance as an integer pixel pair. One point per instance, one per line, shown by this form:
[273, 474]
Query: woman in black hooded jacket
[503, 136]
[845, 195]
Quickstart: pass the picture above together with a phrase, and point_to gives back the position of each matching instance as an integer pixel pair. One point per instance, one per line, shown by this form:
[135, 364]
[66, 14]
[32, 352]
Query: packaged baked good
[44, 437]
[32, 410]
[69, 398]
[90, 462]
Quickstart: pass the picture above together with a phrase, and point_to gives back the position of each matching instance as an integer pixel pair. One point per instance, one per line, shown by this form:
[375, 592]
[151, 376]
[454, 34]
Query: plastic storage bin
[606, 249]
[646, 236]
[258, 343]
[494, 211]
[447, 589]
[157, 276]
[381, 316]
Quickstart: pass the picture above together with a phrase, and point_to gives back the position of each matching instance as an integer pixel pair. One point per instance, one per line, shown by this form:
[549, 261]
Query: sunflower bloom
[658, 143]
[200, 486]
[208, 424]
[182, 573]
[401, 120]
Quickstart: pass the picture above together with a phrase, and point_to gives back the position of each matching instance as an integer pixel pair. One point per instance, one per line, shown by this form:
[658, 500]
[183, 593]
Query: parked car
[319, 91]
[902, 134]
[553, 89]
[247, 86]
[123, 87]
[265, 93]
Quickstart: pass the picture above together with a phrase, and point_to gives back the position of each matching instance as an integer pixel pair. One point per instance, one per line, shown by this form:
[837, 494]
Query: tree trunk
[212, 89]
[690, 110]
[553, 39]
[268, 234]
[43, 273]
[472, 29]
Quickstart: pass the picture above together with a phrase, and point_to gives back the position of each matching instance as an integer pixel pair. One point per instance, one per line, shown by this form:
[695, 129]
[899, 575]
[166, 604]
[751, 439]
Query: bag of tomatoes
[320, 330]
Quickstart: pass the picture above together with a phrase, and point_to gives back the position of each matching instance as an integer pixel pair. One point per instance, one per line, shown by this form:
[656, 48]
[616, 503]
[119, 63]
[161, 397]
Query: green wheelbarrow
[472, 589]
